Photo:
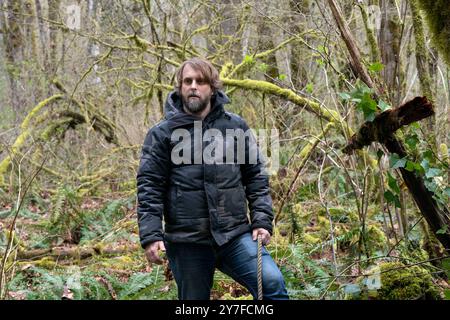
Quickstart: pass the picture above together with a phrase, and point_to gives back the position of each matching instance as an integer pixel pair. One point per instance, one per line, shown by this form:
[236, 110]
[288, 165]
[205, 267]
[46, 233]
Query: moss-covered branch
[270, 88]
[437, 16]
[26, 130]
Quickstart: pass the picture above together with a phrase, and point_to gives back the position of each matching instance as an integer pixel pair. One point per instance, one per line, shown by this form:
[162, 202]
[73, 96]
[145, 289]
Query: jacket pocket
[191, 204]
[234, 202]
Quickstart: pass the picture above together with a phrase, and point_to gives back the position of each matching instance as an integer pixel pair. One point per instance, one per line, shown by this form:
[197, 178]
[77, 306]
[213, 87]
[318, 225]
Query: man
[204, 203]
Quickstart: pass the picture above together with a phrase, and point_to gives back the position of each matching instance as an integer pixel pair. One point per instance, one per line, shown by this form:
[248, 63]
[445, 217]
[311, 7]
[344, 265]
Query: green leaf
[248, 59]
[425, 164]
[395, 162]
[447, 294]
[322, 49]
[413, 166]
[368, 106]
[432, 172]
[412, 141]
[447, 191]
[392, 198]
[415, 125]
[443, 230]
[383, 105]
[309, 87]
[428, 155]
[344, 95]
[358, 93]
[282, 77]
[376, 67]
[370, 116]
[393, 184]
[380, 153]
[263, 67]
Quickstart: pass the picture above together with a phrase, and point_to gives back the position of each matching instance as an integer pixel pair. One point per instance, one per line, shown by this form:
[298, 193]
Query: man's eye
[187, 81]
[200, 81]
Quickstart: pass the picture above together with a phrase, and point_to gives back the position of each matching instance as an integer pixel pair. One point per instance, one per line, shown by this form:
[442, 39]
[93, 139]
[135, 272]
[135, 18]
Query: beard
[195, 105]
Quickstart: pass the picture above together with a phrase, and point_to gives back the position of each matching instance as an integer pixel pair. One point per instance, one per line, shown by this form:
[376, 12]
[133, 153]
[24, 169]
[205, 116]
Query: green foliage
[65, 215]
[362, 96]
[376, 67]
[42, 284]
[401, 282]
[305, 278]
[98, 223]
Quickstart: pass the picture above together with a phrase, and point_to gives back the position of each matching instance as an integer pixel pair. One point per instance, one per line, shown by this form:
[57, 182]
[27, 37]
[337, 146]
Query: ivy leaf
[368, 106]
[383, 105]
[432, 172]
[396, 162]
[425, 164]
[393, 184]
[370, 116]
[344, 95]
[392, 198]
[412, 141]
[447, 191]
[428, 155]
[413, 166]
[442, 230]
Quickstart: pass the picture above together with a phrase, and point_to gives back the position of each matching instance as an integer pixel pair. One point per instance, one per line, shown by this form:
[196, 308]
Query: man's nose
[194, 84]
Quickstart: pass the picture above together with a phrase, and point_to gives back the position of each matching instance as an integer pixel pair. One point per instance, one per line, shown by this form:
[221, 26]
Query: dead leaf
[19, 295]
[67, 294]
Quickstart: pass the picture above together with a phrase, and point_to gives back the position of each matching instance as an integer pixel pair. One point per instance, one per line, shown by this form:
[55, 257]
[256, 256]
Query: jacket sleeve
[152, 178]
[256, 182]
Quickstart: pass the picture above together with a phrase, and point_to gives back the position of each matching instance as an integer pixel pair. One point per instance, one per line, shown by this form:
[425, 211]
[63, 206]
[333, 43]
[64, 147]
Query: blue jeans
[193, 267]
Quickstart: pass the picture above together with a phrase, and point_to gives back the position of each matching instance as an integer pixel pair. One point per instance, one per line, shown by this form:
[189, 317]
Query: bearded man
[204, 205]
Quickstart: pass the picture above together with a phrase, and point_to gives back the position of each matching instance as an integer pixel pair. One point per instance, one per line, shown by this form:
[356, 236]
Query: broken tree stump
[381, 130]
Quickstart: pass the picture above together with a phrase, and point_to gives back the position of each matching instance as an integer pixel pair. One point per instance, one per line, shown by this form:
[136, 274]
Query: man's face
[195, 92]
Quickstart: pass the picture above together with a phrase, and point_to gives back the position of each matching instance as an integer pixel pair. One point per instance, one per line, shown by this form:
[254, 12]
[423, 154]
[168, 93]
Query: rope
[260, 291]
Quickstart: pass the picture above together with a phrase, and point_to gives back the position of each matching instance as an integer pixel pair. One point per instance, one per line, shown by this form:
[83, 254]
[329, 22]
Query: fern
[136, 283]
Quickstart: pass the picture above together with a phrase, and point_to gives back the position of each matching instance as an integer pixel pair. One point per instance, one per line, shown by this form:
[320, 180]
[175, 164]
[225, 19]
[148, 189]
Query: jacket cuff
[147, 241]
[258, 224]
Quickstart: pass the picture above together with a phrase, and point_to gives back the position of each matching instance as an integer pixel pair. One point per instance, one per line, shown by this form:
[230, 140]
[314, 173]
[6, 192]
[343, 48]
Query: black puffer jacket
[199, 202]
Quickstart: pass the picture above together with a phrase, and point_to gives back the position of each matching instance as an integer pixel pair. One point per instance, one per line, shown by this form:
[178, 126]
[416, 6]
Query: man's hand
[265, 235]
[152, 252]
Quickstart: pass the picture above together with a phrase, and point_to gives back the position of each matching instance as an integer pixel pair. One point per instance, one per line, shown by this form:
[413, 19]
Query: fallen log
[75, 252]
[381, 130]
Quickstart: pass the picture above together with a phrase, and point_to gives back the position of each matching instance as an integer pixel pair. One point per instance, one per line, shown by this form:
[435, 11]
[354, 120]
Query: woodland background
[82, 81]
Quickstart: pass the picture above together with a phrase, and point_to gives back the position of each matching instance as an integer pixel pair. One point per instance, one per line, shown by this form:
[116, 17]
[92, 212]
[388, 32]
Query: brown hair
[208, 71]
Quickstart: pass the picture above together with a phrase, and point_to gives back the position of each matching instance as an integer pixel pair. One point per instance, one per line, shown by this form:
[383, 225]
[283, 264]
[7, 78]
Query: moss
[376, 237]
[443, 153]
[25, 133]
[438, 19]
[340, 215]
[270, 88]
[399, 282]
[421, 51]
[310, 239]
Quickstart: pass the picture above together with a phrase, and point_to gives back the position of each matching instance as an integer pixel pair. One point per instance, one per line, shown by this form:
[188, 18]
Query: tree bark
[355, 55]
